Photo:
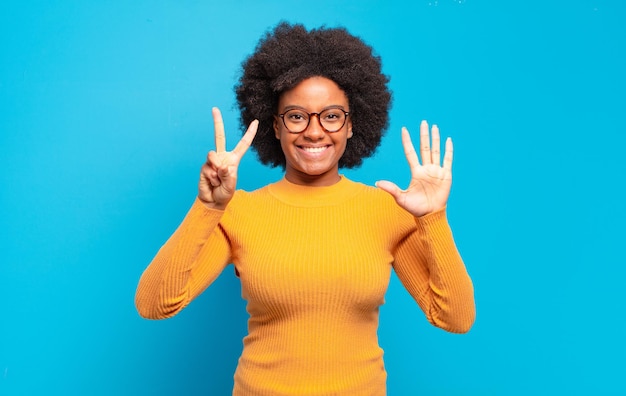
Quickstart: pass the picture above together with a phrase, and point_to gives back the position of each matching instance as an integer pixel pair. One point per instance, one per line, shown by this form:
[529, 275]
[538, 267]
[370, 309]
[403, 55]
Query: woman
[314, 251]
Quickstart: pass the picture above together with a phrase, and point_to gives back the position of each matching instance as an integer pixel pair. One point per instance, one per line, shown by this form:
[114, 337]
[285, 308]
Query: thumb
[227, 174]
[223, 172]
[389, 187]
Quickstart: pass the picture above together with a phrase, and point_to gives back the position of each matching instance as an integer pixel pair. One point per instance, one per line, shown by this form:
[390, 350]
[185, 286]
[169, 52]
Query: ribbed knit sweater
[314, 265]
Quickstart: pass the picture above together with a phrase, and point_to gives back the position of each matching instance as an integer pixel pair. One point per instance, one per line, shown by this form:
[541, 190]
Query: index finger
[218, 126]
[409, 150]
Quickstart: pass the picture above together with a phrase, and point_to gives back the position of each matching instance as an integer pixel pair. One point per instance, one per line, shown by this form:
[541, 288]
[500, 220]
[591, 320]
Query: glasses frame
[319, 120]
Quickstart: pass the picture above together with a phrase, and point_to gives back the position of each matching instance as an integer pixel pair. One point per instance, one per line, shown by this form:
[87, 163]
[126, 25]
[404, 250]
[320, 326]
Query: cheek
[285, 143]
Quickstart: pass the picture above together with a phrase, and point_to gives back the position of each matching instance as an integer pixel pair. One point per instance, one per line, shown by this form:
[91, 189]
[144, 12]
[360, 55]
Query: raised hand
[218, 176]
[430, 184]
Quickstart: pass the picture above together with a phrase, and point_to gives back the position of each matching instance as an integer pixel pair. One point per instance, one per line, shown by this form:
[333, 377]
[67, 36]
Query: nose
[314, 130]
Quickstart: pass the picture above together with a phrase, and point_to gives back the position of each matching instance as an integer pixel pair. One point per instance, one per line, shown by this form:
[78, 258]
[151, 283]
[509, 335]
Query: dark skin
[312, 156]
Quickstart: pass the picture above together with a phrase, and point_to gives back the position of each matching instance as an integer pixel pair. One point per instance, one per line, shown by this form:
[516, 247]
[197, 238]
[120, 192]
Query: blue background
[105, 121]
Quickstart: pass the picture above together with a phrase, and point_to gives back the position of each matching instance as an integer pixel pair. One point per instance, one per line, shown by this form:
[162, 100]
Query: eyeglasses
[331, 120]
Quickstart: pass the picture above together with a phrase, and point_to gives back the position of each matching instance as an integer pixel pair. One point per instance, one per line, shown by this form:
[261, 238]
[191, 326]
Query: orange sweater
[314, 265]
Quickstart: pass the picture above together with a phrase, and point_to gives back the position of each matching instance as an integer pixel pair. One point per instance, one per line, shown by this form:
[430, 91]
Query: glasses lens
[296, 121]
[332, 119]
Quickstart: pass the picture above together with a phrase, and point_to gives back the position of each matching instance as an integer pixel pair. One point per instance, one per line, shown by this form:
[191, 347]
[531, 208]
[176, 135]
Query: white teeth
[314, 149]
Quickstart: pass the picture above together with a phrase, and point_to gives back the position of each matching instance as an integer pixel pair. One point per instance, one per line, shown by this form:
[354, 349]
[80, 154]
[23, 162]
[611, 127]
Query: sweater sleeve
[430, 267]
[190, 260]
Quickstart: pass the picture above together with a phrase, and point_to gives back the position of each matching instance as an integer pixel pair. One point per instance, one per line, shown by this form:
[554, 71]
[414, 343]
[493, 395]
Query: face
[312, 156]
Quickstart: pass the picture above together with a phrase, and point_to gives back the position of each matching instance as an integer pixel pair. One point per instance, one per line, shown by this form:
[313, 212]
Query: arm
[188, 263]
[430, 267]
[198, 251]
[427, 261]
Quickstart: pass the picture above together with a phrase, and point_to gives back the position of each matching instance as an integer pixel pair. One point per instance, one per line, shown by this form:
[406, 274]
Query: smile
[314, 149]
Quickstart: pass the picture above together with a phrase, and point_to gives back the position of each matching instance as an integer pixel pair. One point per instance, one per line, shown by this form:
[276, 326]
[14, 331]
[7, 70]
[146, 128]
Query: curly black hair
[289, 54]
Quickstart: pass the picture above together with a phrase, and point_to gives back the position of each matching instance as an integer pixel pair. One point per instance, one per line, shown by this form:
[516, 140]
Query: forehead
[314, 93]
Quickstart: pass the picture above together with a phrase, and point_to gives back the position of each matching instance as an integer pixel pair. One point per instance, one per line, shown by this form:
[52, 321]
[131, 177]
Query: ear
[349, 129]
[276, 126]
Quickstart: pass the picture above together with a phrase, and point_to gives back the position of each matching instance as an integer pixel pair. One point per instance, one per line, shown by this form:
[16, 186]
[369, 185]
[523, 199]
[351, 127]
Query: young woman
[314, 251]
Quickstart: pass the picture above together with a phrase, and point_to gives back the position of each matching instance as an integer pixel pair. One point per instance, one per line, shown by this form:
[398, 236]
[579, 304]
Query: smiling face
[312, 157]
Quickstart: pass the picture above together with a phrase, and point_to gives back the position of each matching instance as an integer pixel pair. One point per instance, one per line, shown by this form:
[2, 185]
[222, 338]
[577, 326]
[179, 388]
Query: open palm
[430, 184]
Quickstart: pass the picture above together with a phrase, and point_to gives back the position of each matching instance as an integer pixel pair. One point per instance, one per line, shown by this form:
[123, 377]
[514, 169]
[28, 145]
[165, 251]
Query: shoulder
[246, 198]
[372, 194]
[378, 201]
[379, 209]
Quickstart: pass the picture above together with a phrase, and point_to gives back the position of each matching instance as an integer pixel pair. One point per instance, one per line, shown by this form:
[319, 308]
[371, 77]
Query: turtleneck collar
[308, 196]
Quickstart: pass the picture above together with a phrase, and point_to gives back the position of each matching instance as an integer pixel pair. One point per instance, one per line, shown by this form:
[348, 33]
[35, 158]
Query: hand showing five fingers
[431, 181]
[218, 176]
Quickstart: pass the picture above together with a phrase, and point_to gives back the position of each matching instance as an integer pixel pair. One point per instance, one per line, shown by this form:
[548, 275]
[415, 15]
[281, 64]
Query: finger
[219, 166]
[447, 158]
[211, 159]
[209, 174]
[246, 140]
[208, 158]
[213, 178]
[214, 160]
[435, 149]
[218, 125]
[425, 143]
[389, 187]
[409, 150]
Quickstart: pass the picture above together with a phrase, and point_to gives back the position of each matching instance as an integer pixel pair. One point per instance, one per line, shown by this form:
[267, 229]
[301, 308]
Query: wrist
[212, 205]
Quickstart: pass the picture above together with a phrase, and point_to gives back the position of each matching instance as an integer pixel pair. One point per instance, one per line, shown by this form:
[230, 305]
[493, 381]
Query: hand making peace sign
[218, 176]
[430, 184]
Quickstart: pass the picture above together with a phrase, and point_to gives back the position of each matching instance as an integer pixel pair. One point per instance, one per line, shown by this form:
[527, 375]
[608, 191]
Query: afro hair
[289, 54]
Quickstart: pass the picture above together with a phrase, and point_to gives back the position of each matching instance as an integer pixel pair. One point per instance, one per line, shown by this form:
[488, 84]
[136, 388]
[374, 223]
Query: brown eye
[332, 115]
[296, 116]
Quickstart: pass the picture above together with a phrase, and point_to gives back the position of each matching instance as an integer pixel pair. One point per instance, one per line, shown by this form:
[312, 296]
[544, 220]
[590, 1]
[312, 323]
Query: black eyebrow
[295, 107]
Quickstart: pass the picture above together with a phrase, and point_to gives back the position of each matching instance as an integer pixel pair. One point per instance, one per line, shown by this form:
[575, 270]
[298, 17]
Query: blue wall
[105, 120]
